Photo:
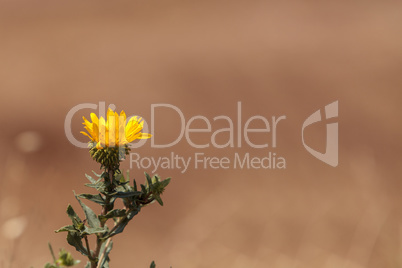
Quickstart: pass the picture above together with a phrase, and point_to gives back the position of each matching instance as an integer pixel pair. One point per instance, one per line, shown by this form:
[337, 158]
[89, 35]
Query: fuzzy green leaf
[94, 198]
[99, 186]
[125, 194]
[91, 180]
[135, 185]
[123, 223]
[128, 176]
[92, 219]
[120, 227]
[68, 228]
[105, 175]
[120, 188]
[159, 199]
[166, 182]
[89, 230]
[144, 189]
[97, 175]
[74, 239]
[153, 265]
[149, 179]
[74, 217]
[112, 214]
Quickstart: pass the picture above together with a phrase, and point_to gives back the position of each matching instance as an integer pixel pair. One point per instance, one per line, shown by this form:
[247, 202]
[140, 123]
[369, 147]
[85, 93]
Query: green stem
[105, 209]
[104, 252]
[52, 252]
[87, 244]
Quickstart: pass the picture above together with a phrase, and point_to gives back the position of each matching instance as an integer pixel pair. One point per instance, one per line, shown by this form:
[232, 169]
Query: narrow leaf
[75, 240]
[97, 175]
[112, 214]
[125, 194]
[159, 199]
[51, 251]
[89, 230]
[68, 228]
[144, 189]
[73, 216]
[166, 182]
[94, 198]
[123, 223]
[155, 179]
[100, 186]
[135, 185]
[120, 227]
[149, 180]
[90, 178]
[92, 219]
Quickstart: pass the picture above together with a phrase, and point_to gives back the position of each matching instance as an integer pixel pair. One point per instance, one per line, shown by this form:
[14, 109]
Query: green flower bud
[65, 259]
[108, 156]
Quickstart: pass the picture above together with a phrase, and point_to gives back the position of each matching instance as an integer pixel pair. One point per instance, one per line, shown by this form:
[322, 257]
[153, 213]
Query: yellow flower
[114, 132]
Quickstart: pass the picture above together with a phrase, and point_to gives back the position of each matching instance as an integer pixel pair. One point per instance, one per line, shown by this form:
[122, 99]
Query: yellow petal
[94, 119]
[143, 136]
[99, 146]
[134, 126]
[116, 128]
[139, 136]
[87, 123]
[102, 130]
[111, 122]
[95, 132]
[123, 114]
[109, 114]
[102, 122]
[131, 122]
[86, 134]
[89, 131]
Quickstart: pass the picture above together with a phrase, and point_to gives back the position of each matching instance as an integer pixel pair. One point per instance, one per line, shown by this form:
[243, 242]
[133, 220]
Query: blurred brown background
[277, 58]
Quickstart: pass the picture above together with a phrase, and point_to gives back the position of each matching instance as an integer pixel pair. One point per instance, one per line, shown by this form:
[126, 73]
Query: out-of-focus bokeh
[276, 58]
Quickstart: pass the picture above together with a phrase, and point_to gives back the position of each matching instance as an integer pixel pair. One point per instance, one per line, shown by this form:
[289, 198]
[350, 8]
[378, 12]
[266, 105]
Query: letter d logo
[331, 152]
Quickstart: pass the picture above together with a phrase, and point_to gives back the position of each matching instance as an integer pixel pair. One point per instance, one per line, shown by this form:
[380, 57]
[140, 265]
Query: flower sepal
[108, 156]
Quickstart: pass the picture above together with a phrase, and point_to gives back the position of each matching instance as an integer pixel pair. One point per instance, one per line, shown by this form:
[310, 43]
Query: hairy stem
[51, 252]
[87, 245]
[105, 210]
[103, 253]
